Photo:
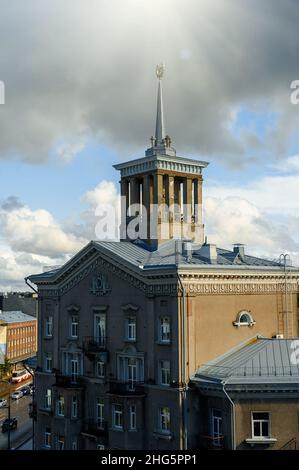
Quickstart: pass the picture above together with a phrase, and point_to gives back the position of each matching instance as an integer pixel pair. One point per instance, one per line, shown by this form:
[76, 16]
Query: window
[74, 445]
[130, 370]
[100, 447]
[60, 406]
[48, 399]
[49, 327]
[260, 422]
[74, 406]
[100, 329]
[72, 365]
[74, 326]
[131, 328]
[100, 369]
[47, 437]
[48, 362]
[74, 369]
[164, 419]
[60, 442]
[244, 318]
[100, 414]
[132, 411]
[164, 372]
[217, 427]
[164, 330]
[117, 416]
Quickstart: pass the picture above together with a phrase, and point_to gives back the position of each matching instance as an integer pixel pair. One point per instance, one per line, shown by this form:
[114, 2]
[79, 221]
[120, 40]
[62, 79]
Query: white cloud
[67, 152]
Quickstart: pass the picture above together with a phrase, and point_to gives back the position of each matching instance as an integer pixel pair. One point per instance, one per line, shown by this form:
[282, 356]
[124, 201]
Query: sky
[80, 96]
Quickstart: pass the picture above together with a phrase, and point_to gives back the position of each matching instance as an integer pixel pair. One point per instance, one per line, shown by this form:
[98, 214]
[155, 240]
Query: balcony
[126, 388]
[210, 442]
[92, 345]
[69, 381]
[91, 428]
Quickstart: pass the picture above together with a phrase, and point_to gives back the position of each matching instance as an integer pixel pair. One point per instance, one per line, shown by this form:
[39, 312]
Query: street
[19, 410]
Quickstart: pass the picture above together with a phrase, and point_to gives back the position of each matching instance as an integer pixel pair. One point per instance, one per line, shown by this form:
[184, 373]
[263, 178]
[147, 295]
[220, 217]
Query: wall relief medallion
[100, 285]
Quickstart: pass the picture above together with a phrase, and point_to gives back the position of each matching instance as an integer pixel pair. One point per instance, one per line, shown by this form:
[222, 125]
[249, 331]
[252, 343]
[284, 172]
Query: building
[18, 333]
[125, 325]
[14, 301]
[249, 398]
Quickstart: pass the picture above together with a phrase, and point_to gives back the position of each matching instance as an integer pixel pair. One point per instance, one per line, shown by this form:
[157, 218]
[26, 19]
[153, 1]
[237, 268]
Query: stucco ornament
[100, 285]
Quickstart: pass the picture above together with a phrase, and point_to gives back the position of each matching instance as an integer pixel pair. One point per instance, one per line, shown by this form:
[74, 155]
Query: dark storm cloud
[79, 70]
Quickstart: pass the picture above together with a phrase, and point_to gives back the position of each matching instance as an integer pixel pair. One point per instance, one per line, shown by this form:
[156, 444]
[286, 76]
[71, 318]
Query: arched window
[244, 318]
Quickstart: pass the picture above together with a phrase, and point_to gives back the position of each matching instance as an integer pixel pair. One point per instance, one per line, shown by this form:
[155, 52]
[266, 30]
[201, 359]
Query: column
[124, 207]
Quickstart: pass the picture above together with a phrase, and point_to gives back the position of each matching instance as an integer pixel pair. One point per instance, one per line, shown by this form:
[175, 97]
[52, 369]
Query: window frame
[131, 326]
[133, 417]
[48, 399]
[162, 333]
[74, 407]
[60, 406]
[48, 438]
[100, 413]
[49, 327]
[161, 374]
[163, 417]
[48, 360]
[103, 371]
[74, 324]
[119, 414]
[253, 421]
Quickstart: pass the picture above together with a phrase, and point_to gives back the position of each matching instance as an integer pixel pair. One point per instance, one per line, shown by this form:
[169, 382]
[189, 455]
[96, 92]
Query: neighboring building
[249, 398]
[125, 325]
[18, 336]
[19, 301]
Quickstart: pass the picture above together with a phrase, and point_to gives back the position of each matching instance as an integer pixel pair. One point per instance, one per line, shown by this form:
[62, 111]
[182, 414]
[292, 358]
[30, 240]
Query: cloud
[36, 232]
[67, 152]
[11, 203]
[79, 79]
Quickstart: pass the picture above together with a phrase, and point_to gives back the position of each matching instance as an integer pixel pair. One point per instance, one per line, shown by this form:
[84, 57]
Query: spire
[160, 130]
[161, 143]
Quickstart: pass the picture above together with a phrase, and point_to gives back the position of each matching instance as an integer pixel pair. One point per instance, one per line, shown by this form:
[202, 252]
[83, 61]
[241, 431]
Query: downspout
[233, 416]
[185, 386]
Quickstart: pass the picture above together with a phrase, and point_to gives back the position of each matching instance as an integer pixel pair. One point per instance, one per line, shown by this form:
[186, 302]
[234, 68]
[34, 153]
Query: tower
[161, 193]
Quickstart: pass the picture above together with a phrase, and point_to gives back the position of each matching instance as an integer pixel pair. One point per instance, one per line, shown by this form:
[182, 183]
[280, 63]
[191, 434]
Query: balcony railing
[211, 442]
[95, 428]
[69, 381]
[117, 387]
[92, 345]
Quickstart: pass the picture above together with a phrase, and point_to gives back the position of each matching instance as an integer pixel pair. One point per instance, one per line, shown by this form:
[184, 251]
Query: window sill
[260, 440]
[117, 429]
[162, 435]
[163, 343]
[48, 337]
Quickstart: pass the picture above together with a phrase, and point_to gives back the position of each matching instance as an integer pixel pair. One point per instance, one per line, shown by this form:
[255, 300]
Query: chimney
[209, 251]
[187, 251]
[239, 249]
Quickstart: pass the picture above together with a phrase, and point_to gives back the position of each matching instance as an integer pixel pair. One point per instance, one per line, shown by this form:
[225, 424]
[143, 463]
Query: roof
[138, 256]
[15, 316]
[259, 361]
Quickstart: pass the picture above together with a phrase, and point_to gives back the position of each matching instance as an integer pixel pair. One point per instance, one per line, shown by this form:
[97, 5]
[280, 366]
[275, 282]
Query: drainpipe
[233, 416]
[29, 285]
[185, 386]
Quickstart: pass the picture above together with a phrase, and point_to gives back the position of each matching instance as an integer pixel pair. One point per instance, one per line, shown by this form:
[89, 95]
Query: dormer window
[244, 318]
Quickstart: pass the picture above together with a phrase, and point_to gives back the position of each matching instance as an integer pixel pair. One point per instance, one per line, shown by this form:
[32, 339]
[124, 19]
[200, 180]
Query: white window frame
[49, 326]
[61, 440]
[100, 416]
[117, 416]
[251, 322]
[100, 447]
[48, 399]
[74, 326]
[261, 421]
[164, 335]
[133, 417]
[47, 438]
[60, 409]
[216, 425]
[164, 372]
[100, 369]
[131, 328]
[74, 412]
[100, 328]
[74, 445]
[164, 418]
[48, 361]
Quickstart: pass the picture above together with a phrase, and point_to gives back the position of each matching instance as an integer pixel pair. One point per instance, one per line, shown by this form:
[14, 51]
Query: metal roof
[15, 316]
[167, 256]
[261, 361]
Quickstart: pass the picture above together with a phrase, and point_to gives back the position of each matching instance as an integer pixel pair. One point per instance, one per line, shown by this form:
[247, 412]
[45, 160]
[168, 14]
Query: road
[19, 410]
